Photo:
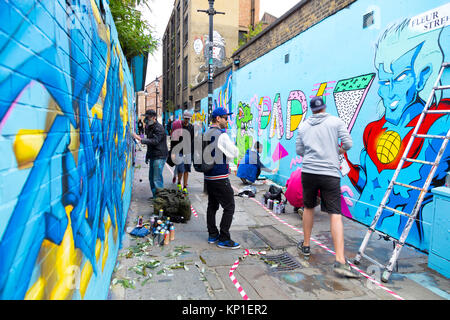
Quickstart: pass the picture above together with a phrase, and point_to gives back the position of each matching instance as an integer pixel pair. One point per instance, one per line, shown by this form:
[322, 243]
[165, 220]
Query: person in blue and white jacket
[220, 192]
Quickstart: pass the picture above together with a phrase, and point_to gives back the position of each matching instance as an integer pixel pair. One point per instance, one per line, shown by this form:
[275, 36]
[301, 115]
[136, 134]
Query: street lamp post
[157, 92]
[210, 12]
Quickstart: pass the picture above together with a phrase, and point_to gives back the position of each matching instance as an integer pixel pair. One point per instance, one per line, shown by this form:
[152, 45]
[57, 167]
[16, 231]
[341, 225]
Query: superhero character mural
[408, 63]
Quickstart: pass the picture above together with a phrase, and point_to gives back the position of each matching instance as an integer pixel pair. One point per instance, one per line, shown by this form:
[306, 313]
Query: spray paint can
[276, 207]
[172, 232]
[282, 207]
[270, 204]
[160, 213]
[152, 221]
[264, 201]
[166, 238]
[447, 180]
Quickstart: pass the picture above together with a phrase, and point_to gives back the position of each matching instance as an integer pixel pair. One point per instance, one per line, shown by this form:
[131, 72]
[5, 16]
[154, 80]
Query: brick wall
[201, 91]
[245, 7]
[66, 110]
[301, 17]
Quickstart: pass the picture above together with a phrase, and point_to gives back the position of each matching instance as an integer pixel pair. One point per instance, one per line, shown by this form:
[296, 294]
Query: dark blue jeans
[155, 174]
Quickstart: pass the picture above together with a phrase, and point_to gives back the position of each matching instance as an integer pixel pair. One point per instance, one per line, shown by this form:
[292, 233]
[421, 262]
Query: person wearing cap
[220, 192]
[157, 150]
[321, 172]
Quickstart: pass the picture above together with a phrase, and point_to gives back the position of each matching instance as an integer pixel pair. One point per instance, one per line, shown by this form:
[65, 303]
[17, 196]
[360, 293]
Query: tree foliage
[135, 34]
[252, 32]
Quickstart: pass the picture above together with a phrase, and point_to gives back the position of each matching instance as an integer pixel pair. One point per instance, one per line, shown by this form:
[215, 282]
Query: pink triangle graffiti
[279, 153]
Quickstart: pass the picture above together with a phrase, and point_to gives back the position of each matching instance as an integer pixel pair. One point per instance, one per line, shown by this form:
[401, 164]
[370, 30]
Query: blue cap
[220, 112]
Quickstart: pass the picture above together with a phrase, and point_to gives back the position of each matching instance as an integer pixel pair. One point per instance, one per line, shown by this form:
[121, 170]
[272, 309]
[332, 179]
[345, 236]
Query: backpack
[198, 154]
[274, 193]
[174, 203]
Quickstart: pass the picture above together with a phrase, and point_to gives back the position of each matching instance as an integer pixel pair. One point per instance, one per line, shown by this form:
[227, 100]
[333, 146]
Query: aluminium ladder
[423, 191]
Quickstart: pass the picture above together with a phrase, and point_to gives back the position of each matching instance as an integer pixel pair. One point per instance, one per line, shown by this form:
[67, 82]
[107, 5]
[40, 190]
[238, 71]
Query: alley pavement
[268, 265]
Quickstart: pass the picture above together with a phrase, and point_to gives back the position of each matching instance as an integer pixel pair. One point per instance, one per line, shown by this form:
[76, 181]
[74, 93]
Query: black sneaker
[305, 250]
[345, 270]
[228, 244]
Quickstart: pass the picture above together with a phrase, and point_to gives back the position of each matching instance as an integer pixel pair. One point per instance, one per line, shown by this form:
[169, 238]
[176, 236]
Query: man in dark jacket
[157, 151]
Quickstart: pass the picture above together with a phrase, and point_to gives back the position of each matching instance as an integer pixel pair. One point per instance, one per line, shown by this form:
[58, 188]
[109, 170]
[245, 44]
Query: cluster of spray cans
[276, 206]
[162, 229]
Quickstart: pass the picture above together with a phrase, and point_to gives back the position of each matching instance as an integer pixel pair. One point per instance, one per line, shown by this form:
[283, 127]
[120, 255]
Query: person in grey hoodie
[320, 140]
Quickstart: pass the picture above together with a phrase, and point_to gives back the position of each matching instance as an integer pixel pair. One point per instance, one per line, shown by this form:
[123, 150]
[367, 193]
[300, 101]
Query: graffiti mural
[244, 137]
[201, 45]
[406, 72]
[379, 95]
[65, 118]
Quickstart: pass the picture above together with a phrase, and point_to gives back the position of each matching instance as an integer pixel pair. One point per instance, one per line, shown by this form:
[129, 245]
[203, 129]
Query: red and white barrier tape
[328, 250]
[194, 212]
[233, 278]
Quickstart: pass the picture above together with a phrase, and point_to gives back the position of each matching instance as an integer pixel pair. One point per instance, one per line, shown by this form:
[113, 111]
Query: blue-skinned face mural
[65, 117]
[399, 88]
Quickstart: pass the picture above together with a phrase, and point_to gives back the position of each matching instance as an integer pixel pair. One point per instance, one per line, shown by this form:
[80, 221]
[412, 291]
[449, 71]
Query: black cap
[150, 113]
[317, 104]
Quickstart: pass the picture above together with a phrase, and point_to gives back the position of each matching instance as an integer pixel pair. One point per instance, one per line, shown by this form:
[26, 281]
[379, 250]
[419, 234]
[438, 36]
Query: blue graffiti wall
[377, 79]
[66, 170]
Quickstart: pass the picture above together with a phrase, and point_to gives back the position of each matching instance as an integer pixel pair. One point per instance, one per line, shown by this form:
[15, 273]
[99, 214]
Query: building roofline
[271, 26]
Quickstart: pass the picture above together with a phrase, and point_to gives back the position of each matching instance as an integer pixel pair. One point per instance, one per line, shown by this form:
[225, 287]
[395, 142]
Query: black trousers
[220, 193]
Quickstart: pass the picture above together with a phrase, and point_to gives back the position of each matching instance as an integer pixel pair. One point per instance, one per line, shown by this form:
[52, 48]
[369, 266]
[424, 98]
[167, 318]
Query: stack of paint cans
[163, 230]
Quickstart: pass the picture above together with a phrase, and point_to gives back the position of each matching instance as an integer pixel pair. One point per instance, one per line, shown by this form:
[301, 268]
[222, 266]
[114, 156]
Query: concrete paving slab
[220, 257]
[274, 238]
[262, 282]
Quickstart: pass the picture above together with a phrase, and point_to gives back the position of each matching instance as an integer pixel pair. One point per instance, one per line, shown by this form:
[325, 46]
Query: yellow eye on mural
[388, 147]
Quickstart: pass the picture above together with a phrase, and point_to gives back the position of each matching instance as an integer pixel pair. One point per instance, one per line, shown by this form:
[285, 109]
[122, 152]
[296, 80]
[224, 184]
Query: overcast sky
[159, 17]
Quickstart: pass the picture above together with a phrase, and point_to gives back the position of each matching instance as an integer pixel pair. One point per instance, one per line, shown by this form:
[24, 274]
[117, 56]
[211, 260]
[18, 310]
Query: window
[197, 106]
[178, 43]
[185, 30]
[185, 72]
[242, 35]
[368, 19]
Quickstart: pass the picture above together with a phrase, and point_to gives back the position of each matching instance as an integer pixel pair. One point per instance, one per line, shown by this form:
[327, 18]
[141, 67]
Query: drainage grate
[283, 262]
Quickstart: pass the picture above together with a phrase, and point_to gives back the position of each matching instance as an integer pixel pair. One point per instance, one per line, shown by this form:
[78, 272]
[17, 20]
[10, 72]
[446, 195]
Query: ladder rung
[372, 260]
[420, 161]
[430, 136]
[384, 235]
[397, 211]
[408, 186]
[441, 87]
[438, 111]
